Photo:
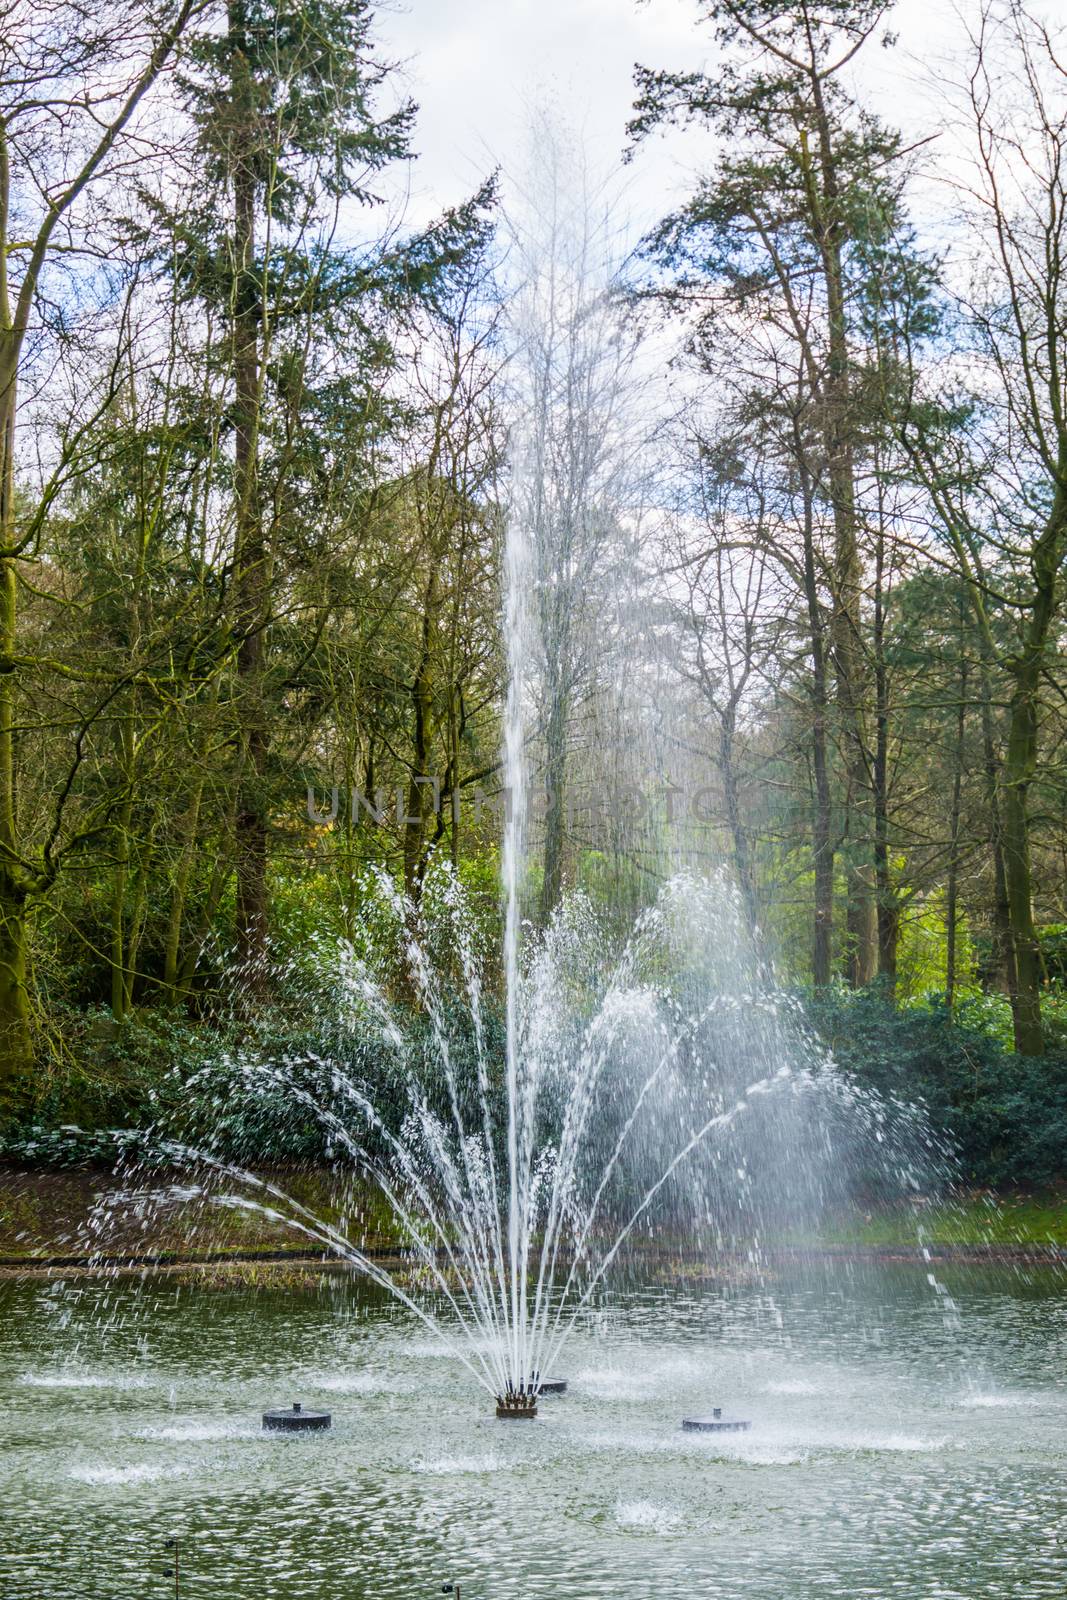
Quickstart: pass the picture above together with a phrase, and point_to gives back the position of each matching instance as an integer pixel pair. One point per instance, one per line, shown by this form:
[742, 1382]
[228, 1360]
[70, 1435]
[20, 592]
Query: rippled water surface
[909, 1439]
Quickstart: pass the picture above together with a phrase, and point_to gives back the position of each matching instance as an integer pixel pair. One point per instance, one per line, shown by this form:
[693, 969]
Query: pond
[909, 1438]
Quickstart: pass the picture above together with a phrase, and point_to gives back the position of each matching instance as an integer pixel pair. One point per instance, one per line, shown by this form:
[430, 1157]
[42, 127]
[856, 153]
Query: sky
[476, 66]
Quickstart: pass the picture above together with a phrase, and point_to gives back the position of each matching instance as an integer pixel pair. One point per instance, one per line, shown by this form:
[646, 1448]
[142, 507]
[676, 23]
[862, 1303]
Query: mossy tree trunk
[1020, 765]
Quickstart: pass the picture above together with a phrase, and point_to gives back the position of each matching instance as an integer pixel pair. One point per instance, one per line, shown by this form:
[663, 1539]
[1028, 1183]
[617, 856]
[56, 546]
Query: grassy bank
[999, 1221]
[79, 1212]
[73, 1214]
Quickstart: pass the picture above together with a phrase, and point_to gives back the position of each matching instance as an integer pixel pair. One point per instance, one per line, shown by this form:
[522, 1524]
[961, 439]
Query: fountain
[515, 1199]
[643, 1090]
[517, 1404]
[621, 1122]
[716, 1423]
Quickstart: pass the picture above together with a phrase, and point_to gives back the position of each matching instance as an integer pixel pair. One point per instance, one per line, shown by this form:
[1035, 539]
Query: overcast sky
[475, 65]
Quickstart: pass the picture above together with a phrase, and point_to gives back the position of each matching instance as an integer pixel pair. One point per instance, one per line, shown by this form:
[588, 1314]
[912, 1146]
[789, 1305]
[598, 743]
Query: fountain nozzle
[517, 1404]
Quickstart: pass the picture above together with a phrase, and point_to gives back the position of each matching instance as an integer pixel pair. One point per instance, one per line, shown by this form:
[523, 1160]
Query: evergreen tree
[290, 150]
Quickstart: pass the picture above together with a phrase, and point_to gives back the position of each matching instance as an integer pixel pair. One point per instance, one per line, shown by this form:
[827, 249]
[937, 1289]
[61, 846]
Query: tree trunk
[845, 628]
[420, 779]
[16, 1049]
[862, 920]
[738, 832]
[179, 894]
[118, 909]
[455, 725]
[823, 850]
[16, 1044]
[1026, 1001]
[952, 893]
[1003, 956]
[821, 819]
[135, 933]
[120, 959]
[1020, 764]
[251, 581]
[888, 908]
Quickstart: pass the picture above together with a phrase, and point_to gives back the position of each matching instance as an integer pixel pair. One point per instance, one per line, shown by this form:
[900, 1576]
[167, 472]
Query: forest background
[801, 457]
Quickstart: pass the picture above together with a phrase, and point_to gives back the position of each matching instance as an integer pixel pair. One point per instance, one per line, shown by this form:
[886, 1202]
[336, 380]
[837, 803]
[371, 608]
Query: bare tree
[723, 580]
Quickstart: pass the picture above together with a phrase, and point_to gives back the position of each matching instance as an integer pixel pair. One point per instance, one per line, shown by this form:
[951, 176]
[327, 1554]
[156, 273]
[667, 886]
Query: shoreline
[164, 1262]
[96, 1222]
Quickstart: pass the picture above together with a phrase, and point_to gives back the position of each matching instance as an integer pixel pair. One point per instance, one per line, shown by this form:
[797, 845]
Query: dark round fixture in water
[540, 1386]
[296, 1419]
[716, 1423]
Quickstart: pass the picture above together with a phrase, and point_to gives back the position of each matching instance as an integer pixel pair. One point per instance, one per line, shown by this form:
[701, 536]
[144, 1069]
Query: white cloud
[475, 66]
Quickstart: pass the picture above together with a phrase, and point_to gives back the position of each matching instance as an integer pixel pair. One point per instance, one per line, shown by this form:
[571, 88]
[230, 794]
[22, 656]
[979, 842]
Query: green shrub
[248, 1093]
[1004, 1114]
[97, 1072]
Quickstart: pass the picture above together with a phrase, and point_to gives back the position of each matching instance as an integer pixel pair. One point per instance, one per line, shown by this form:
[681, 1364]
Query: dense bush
[247, 1094]
[97, 1072]
[209, 1085]
[1005, 1114]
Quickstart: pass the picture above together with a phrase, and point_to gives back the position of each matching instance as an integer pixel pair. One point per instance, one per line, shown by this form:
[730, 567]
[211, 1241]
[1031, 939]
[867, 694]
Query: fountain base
[716, 1423]
[296, 1420]
[552, 1386]
[516, 1407]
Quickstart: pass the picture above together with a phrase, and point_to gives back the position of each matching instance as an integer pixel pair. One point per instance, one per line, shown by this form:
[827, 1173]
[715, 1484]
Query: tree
[1001, 498]
[282, 98]
[785, 265]
[71, 88]
[774, 257]
[720, 577]
[289, 143]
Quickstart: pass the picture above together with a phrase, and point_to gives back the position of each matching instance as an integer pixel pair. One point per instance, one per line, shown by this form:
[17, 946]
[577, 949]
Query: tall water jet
[516, 624]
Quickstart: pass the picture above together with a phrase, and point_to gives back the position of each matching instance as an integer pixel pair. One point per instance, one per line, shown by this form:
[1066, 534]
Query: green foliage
[102, 1073]
[69, 1145]
[1053, 942]
[1005, 1114]
[261, 1089]
[922, 952]
[277, 1099]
